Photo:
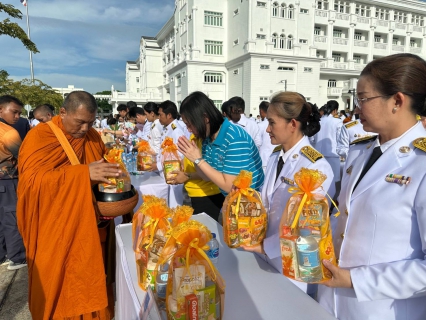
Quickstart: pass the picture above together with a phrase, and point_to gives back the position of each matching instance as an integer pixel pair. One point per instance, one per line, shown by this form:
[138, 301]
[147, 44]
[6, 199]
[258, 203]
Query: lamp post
[285, 84]
[353, 92]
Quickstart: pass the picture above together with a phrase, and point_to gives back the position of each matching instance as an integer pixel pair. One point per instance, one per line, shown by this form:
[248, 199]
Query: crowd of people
[373, 157]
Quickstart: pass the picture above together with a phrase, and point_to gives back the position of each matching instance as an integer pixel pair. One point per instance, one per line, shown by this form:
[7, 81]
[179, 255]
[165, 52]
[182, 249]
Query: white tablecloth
[153, 183]
[254, 290]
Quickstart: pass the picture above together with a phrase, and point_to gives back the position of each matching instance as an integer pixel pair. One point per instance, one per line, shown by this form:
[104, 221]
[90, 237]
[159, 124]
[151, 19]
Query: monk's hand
[100, 170]
[258, 248]
[341, 277]
[189, 149]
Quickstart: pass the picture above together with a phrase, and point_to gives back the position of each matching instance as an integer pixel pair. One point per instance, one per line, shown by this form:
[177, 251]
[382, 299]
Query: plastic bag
[194, 284]
[244, 218]
[146, 156]
[119, 184]
[305, 233]
[171, 160]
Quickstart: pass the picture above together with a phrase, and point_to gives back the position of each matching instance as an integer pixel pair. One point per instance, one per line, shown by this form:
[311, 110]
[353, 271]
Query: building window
[303, 41]
[400, 17]
[332, 83]
[304, 10]
[213, 77]
[218, 103]
[336, 57]
[213, 18]
[275, 40]
[382, 14]
[337, 33]
[283, 10]
[236, 41]
[282, 68]
[377, 38]
[261, 4]
[307, 69]
[137, 79]
[362, 10]
[317, 31]
[275, 9]
[236, 71]
[418, 20]
[395, 41]
[178, 80]
[290, 12]
[413, 43]
[358, 36]
[260, 36]
[137, 90]
[213, 47]
[341, 6]
[357, 59]
[265, 67]
[322, 4]
[290, 42]
[282, 41]
[235, 12]
[264, 98]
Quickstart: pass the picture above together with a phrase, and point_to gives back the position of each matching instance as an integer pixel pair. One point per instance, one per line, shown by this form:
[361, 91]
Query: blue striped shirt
[234, 150]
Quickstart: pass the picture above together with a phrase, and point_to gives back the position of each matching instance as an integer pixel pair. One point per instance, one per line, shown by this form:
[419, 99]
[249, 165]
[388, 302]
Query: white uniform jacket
[382, 235]
[350, 132]
[266, 148]
[275, 194]
[154, 136]
[251, 128]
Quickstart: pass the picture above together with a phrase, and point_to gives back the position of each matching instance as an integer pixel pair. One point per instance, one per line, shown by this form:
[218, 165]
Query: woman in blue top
[227, 149]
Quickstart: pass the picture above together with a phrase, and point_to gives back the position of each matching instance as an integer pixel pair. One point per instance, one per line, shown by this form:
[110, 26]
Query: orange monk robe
[57, 221]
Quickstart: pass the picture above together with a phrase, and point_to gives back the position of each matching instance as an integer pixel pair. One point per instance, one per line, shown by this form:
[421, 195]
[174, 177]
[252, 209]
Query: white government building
[252, 48]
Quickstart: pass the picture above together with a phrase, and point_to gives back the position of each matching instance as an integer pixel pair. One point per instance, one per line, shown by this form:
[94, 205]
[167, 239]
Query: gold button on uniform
[342, 235]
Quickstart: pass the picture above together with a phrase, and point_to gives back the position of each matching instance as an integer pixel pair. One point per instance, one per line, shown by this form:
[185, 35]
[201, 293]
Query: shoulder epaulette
[336, 116]
[420, 143]
[310, 153]
[152, 125]
[351, 124]
[173, 126]
[277, 148]
[363, 140]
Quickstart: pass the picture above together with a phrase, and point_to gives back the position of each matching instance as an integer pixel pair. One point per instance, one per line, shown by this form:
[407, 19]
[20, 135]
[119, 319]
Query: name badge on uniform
[287, 181]
[397, 178]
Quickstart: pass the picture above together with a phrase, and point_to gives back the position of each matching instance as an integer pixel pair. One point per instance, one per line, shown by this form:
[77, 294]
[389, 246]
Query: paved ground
[14, 294]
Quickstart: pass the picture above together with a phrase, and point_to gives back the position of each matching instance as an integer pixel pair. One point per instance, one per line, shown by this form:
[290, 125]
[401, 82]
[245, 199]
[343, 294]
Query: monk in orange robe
[56, 215]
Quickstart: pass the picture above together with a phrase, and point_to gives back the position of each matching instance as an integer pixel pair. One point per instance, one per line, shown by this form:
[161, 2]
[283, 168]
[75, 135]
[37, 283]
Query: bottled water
[213, 252]
[161, 282]
[308, 257]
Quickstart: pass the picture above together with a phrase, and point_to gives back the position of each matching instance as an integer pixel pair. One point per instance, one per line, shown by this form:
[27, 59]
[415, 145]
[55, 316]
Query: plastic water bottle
[161, 281]
[308, 257]
[213, 252]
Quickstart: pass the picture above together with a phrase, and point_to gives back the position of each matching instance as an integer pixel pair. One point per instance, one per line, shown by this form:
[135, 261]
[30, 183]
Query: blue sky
[82, 42]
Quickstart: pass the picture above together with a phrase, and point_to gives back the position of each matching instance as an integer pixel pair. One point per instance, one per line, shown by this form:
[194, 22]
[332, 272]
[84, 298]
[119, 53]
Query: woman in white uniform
[291, 121]
[382, 236]
[155, 127]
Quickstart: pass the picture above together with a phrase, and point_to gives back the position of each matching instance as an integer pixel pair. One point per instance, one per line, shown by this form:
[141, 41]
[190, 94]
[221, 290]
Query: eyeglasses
[360, 102]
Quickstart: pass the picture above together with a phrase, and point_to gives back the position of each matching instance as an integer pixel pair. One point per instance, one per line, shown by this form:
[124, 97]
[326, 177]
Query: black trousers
[209, 204]
[11, 243]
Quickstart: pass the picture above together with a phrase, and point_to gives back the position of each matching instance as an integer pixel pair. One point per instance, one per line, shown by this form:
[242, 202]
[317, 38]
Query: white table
[254, 290]
[153, 183]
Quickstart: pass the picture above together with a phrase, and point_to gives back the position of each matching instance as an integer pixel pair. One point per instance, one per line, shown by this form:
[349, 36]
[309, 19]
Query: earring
[394, 110]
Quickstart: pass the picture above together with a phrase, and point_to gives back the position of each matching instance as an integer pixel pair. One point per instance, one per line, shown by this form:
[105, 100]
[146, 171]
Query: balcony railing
[342, 16]
[127, 96]
[323, 64]
[417, 29]
[398, 48]
[361, 43]
[320, 39]
[334, 92]
[416, 50]
[382, 23]
[340, 65]
[400, 26]
[342, 41]
[359, 66]
[363, 20]
[378, 45]
[321, 13]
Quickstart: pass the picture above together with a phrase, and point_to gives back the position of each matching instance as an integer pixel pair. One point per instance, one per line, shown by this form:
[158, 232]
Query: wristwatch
[197, 161]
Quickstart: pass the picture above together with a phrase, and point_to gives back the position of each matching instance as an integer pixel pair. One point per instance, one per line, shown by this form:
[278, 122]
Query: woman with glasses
[381, 238]
[291, 121]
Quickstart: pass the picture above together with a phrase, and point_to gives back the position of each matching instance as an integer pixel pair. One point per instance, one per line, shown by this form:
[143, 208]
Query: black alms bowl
[113, 197]
[115, 204]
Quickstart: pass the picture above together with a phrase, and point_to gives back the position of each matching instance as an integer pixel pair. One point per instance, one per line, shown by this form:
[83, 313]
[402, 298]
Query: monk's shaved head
[43, 110]
[80, 98]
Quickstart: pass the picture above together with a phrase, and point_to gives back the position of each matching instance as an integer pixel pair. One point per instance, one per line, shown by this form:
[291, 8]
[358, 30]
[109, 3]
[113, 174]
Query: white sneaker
[16, 265]
[4, 262]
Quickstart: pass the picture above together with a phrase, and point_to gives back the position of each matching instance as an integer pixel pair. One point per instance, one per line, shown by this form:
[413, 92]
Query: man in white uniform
[350, 132]
[266, 148]
[238, 117]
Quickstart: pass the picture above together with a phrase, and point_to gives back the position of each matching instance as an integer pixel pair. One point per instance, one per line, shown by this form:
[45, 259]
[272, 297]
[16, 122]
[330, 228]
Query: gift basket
[194, 288]
[171, 159]
[146, 156]
[119, 196]
[244, 218]
[305, 233]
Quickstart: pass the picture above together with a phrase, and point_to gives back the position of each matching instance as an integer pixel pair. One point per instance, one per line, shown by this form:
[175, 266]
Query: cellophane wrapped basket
[118, 184]
[305, 233]
[171, 160]
[146, 156]
[244, 218]
[194, 285]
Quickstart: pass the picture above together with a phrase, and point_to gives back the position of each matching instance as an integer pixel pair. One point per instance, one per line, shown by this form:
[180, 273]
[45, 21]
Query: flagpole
[29, 37]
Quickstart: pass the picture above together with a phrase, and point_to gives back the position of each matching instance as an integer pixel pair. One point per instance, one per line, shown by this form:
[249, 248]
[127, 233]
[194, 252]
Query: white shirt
[104, 124]
[349, 132]
[325, 141]
[34, 122]
[266, 148]
[154, 136]
[143, 134]
[251, 128]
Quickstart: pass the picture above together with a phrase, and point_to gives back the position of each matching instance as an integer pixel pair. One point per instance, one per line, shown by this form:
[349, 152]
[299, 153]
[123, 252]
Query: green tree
[12, 29]
[104, 105]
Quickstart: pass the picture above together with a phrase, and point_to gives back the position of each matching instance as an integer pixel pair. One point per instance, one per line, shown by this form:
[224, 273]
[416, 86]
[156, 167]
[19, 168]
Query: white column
[407, 42]
[371, 43]
[390, 39]
[351, 42]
